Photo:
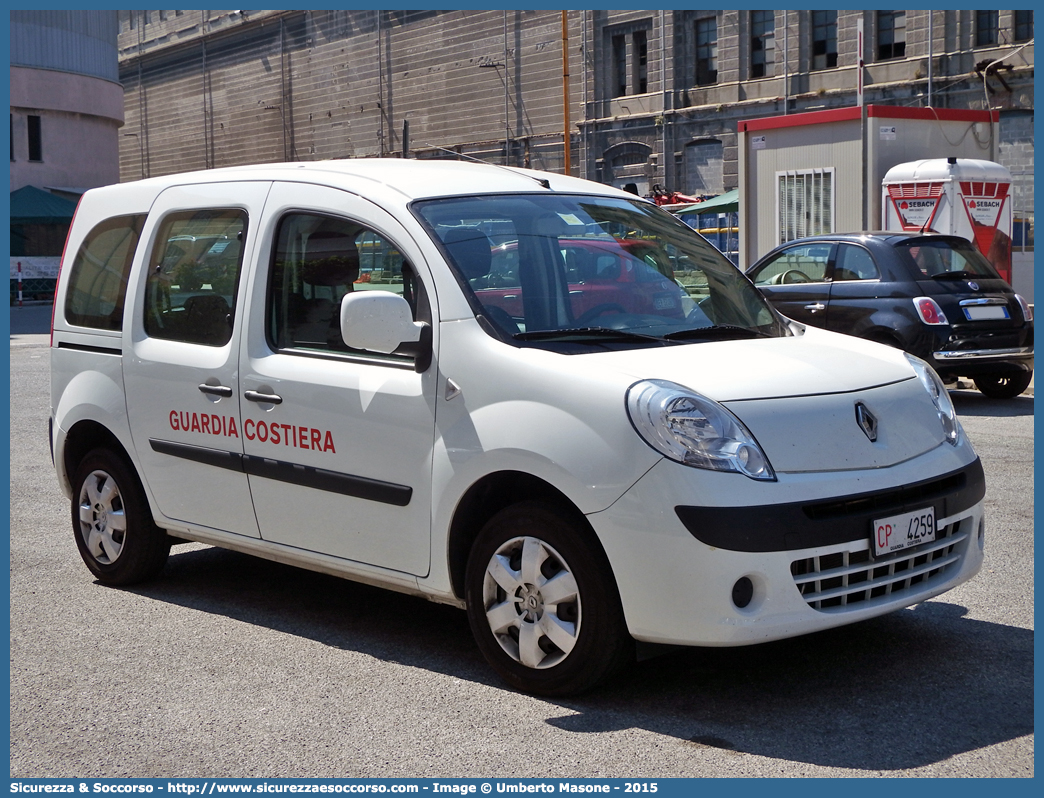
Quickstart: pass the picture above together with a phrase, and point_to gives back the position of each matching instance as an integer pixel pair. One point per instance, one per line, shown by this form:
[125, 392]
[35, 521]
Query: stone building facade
[654, 97]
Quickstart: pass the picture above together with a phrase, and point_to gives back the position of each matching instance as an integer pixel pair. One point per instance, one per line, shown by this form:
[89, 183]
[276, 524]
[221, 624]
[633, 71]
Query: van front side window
[193, 279]
[317, 261]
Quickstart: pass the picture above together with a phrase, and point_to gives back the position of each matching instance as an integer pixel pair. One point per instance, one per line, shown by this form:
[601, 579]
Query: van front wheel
[542, 602]
[112, 524]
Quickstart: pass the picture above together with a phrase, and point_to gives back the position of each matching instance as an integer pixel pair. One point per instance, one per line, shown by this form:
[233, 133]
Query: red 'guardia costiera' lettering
[274, 433]
[289, 435]
[206, 423]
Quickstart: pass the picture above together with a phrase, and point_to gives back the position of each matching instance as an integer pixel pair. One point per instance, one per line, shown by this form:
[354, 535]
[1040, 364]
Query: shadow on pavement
[903, 691]
[973, 403]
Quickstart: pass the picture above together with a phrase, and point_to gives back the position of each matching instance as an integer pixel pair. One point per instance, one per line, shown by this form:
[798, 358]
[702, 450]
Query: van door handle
[263, 398]
[215, 390]
[815, 306]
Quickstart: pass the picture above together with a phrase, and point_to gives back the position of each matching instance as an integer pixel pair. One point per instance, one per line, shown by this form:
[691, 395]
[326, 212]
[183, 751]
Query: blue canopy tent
[717, 220]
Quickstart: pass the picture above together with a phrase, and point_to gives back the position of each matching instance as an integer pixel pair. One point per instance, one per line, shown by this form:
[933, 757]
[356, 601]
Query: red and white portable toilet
[956, 196]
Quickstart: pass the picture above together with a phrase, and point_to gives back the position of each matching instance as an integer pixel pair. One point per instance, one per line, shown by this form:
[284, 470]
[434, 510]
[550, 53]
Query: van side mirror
[380, 321]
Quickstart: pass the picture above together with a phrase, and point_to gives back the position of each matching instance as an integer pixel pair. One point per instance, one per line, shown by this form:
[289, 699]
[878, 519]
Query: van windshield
[572, 272]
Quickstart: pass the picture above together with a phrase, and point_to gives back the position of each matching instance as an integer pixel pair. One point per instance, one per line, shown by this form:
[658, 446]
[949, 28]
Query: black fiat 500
[934, 296]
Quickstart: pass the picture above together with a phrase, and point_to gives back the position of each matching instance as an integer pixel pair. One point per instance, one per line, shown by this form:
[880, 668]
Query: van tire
[542, 603]
[112, 523]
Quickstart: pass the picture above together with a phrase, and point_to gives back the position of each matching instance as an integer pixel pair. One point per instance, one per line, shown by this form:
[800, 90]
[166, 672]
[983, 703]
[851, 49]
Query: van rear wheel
[115, 534]
[543, 604]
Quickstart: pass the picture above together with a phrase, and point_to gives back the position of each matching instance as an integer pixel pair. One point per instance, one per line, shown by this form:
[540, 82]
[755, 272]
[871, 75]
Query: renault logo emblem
[866, 421]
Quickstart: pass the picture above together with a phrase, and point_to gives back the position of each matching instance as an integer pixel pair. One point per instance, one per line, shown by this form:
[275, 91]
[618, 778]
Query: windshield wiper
[717, 331]
[579, 333]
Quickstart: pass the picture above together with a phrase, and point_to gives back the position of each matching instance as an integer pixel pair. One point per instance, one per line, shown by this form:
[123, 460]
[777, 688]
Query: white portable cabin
[957, 196]
[821, 171]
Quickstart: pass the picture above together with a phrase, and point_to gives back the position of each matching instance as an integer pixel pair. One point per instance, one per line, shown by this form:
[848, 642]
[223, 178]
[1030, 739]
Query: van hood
[805, 399]
[813, 363]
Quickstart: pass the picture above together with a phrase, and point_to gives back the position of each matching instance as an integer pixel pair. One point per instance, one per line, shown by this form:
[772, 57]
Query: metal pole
[380, 89]
[930, 56]
[786, 63]
[668, 161]
[864, 188]
[507, 108]
[565, 90]
[584, 169]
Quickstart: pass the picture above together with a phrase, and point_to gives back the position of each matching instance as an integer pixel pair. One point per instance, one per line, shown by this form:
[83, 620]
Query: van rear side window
[98, 279]
[190, 291]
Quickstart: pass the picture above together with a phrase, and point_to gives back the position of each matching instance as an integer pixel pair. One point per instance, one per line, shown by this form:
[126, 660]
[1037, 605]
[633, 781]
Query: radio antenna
[541, 180]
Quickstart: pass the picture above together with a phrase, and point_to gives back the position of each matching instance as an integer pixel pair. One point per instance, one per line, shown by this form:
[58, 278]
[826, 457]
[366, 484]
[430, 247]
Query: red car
[605, 276]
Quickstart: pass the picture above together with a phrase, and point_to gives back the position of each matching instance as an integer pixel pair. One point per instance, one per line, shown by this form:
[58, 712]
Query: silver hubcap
[103, 524]
[532, 603]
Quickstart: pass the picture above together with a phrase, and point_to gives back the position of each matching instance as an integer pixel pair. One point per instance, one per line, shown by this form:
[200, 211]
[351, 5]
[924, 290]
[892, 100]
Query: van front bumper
[703, 570]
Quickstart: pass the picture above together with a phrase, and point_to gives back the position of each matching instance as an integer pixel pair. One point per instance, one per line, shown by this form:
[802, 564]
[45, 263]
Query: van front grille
[847, 579]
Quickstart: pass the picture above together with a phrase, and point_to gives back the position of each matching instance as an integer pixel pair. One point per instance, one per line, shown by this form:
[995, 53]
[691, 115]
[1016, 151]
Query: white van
[534, 397]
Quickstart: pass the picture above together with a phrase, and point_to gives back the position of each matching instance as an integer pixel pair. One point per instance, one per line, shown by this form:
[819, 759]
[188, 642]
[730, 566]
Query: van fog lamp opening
[933, 384]
[693, 430]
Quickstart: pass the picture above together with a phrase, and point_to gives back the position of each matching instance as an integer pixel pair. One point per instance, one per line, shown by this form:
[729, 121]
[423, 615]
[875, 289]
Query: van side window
[317, 261]
[98, 279]
[190, 291]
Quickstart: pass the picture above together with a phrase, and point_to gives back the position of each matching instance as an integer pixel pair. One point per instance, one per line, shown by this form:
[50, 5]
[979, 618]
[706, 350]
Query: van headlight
[940, 398]
[694, 430]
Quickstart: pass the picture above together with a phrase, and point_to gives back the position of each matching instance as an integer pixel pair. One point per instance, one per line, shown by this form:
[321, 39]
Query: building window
[1023, 26]
[706, 51]
[805, 203]
[762, 43]
[619, 66]
[891, 34]
[985, 28]
[630, 63]
[641, 62]
[824, 39]
[35, 138]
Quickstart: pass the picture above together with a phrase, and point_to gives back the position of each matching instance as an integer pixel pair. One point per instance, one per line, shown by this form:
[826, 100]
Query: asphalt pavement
[232, 666]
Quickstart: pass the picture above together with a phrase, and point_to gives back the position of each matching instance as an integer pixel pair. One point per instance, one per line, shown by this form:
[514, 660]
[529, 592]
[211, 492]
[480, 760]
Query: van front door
[337, 442]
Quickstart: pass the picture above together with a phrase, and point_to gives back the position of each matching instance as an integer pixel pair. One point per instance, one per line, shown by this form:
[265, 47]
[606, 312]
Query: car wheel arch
[488, 496]
[83, 437]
